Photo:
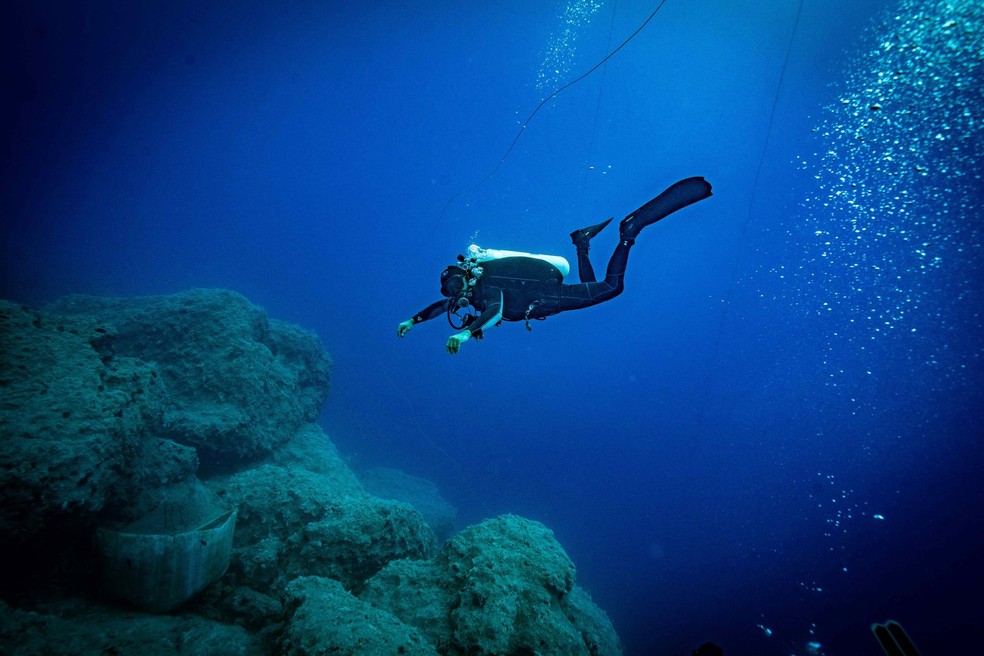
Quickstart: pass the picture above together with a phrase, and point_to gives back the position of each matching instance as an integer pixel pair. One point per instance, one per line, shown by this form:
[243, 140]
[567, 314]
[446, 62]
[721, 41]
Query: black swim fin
[676, 197]
[894, 640]
[584, 235]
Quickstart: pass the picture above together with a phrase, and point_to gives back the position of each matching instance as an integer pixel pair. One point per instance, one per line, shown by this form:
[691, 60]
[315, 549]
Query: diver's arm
[492, 314]
[432, 311]
[489, 317]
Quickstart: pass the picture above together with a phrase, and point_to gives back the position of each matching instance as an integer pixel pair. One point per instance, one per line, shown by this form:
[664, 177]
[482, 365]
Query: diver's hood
[453, 281]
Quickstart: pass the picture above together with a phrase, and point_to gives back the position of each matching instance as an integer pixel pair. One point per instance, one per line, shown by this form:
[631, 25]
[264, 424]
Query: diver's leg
[582, 241]
[676, 197]
[584, 269]
[615, 274]
[589, 292]
[586, 294]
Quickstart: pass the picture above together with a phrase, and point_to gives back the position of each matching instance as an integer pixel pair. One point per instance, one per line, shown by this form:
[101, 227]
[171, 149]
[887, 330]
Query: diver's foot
[676, 197]
[584, 235]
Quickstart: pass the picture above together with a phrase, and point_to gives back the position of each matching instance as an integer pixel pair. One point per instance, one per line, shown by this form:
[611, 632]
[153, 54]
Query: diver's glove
[404, 328]
[455, 341]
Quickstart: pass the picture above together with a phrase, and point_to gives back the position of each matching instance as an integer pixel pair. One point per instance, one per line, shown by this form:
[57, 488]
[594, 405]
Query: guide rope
[529, 118]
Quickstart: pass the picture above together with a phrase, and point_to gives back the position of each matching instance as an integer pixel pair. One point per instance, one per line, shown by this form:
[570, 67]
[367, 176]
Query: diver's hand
[455, 341]
[404, 328]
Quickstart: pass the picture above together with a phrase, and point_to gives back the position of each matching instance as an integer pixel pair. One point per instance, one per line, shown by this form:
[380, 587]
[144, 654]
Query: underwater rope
[748, 218]
[567, 86]
[768, 132]
[594, 123]
[534, 113]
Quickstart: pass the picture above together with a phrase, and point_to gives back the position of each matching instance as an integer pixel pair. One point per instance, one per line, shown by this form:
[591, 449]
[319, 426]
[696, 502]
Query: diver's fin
[894, 640]
[585, 234]
[676, 197]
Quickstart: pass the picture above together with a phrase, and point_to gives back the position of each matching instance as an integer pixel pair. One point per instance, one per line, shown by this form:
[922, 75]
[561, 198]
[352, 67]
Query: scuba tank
[478, 254]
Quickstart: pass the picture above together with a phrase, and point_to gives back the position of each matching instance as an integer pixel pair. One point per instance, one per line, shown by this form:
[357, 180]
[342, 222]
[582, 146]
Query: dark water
[773, 438]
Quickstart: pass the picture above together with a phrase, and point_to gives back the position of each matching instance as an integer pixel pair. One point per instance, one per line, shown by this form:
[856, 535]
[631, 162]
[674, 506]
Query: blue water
[772, 438]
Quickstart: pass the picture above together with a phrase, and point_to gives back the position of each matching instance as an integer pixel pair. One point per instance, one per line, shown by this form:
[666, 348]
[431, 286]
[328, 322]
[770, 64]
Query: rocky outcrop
[294, 522]
[88, 629]
[327, 619]
[420, 493]
[502, 587]
[238, 383]
[111, 412]
[310, 449]
[82, 428]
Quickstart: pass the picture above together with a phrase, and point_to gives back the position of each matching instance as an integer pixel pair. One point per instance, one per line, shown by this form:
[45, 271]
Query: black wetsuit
[524, 288]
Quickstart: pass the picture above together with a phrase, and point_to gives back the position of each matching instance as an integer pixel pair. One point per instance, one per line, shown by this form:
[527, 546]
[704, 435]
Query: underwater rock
[88, 629]
[420, 493]
[327, 619]
[95, 389]
[294, 522]
[422, 594]
[356, 539]
[501, 587]
[593, 623]
[238, 383]
[77, 425]
[239, 604]
[310, 449]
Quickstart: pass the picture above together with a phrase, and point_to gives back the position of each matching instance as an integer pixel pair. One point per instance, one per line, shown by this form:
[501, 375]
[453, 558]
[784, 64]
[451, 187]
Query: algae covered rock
[511, 575]
[294, 522]
[420, 493]
[502, 587]
[109, 406]
[239, 604]
[357, 539]
[79, 425]
[309, 448]
[327, 619]
[238, 382]
[592, 622]
[422, 594]
[90, 629]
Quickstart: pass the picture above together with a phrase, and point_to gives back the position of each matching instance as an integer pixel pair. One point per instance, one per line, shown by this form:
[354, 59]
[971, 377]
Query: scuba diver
[508, 286]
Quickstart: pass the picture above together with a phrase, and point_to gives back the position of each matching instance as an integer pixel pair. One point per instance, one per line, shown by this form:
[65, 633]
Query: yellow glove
[404, 328]
[455, 341]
